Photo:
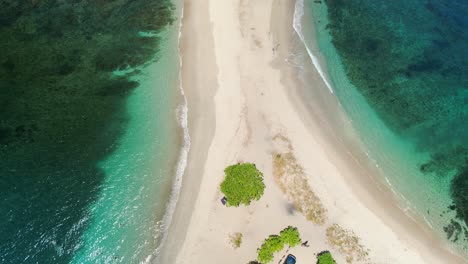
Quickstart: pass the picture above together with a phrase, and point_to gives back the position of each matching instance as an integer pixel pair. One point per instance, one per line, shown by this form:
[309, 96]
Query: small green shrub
[243, 184]
[271, 245]
[290, 236]
[325, 257]
[274, 243]
[265, 255]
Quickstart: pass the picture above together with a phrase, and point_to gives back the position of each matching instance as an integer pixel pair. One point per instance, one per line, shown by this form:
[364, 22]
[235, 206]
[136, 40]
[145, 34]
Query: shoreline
[372, 187]
[394, 158]
[244, 126]
[201, 118]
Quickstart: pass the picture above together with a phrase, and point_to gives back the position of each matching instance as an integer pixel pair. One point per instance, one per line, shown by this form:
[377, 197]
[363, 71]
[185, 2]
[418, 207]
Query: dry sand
[245, 105]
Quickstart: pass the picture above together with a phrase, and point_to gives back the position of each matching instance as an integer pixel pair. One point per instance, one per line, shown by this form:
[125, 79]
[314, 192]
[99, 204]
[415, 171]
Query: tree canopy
[243, 183]
[325, 257]
[274, 243]
[290, 236]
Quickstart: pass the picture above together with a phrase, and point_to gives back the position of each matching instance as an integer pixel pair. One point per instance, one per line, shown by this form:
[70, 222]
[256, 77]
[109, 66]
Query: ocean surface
[399, 70]
[89, 134]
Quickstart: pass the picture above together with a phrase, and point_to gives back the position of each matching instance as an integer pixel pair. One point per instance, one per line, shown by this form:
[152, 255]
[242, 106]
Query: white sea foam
[182, 118]
[410, 209]
[297, 25]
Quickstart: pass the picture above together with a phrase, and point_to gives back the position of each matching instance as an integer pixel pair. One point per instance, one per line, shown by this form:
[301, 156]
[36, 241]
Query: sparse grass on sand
[235, 240]
[292, 180]
[347, 243]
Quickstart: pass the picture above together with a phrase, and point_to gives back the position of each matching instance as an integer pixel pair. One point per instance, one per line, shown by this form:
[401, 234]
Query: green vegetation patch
[236, 240]
[290, 236]
[325, 257]
[243, 184]
[274, 243]
[347, 243]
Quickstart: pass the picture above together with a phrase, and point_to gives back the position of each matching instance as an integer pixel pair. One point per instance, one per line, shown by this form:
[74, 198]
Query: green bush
[274, 243]
[243, 184]
[325, 257]
[290, 236]
[265, 255]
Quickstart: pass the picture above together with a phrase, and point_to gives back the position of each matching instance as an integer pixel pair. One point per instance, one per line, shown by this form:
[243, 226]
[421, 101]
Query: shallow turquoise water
[398, 69]
[126, 221]
[88, 128]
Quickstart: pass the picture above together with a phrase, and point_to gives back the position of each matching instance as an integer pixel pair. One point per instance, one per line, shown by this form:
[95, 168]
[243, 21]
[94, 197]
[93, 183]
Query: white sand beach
[246, 106]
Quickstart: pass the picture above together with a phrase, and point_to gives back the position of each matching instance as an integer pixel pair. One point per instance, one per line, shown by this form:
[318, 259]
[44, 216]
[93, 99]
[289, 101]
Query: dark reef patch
[61, 112]
[460, 193]
[410, 64]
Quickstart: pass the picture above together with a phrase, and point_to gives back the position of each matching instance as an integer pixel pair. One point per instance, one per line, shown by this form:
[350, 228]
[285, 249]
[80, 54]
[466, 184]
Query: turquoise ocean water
[398, 69]
[126, 222]
[90, 136]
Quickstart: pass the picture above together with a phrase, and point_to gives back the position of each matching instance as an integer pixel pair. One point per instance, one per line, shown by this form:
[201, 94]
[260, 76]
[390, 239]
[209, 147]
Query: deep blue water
[409, 60]
[62, 112]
